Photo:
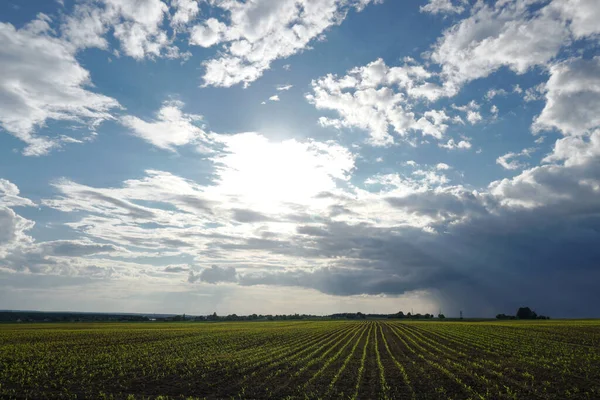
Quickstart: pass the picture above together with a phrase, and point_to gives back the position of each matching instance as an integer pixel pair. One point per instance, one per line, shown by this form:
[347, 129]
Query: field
[302, 359]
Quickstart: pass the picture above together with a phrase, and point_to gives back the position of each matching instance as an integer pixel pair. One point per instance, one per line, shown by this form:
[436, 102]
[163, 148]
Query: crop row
[302, 359]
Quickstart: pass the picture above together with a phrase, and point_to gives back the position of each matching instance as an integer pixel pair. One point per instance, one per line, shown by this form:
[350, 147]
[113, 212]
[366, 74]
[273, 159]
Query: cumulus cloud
[260, 32]
[208, 34]
[13, 227]
[582, 16]
[496, 93]
[9, 195]
[41, 80]
[453, 145]
[471, 112]
[185, 12]
[444, 7]
[508, 34]
[137, 26]
[572, 97]
[570, 174]
[515, 34]
[378, 98]
[13, 230]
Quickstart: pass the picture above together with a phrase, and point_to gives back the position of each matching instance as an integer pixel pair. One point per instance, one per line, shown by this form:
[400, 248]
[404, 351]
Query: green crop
[302, 360]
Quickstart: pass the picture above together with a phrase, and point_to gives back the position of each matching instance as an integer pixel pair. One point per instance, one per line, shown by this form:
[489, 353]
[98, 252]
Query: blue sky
[315, 156]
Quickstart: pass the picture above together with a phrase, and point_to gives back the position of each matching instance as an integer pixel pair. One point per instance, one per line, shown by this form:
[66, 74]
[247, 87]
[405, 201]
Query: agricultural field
[302, 359]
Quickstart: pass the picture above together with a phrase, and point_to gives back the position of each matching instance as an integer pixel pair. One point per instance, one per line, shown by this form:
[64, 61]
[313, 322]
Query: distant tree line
[523, 313]
[36, 316]
[40, 316]
[401, 315]
[254, 317]
[398, 315]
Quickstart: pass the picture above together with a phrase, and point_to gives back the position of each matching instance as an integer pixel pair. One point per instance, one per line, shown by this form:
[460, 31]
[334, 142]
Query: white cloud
[41, 80]
[570, 175]
[260, 32]
[432, 123]
[534, 93]
[508, 161]
[444, 7]
[13, 227]
[583, 16]
[516, 34]
[208, 34]
[474, 117]
[284, 87]
[13, 230]
[508, 34]
[9, 195]
[377, 98]
[274, 98]
[572, 97]
[186, 11]
[495, 92]
[576, 150]
[138, 26]
[494, 111]
[471, 111]
[255, 181]
[453, 145]
[172, 128]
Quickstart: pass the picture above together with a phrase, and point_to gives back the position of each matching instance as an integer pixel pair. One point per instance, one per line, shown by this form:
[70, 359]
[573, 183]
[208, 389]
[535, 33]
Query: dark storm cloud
[440, 205]
[492, 261]
[345, 282]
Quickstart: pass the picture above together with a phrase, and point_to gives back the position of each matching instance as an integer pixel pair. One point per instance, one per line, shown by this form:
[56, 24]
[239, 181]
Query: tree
[441, 316]
[526, 313]
[212, 317]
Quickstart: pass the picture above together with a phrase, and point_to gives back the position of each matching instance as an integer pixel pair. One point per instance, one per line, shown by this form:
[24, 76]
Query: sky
[300, 156]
